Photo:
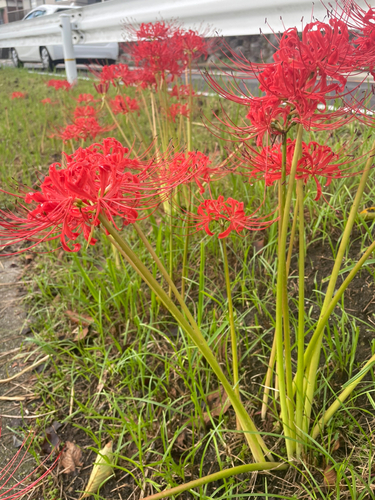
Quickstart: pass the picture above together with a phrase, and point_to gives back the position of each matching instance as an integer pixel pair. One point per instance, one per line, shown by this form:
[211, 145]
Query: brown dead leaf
[337, 444]
[80, 333]
[219, 404]
[329, 477]
[70, 458]
[80, 319]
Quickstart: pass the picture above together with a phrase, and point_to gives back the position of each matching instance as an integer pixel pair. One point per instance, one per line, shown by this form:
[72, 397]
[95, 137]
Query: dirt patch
[12, 333]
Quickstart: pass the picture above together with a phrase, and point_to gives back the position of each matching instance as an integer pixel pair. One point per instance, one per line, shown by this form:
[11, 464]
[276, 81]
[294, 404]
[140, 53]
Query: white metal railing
[104, 22]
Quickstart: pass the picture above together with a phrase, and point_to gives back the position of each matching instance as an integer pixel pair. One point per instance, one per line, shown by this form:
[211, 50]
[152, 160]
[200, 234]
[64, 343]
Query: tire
[15, 59]
[46, 59]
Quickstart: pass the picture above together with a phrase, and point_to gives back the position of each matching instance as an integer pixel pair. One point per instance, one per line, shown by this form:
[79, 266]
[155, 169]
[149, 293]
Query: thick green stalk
[291, 239]
[271, 363]
[286, 417]
[254, 440]
[128, 143]
[217, 476]
[313, 362]
[301, 323]
[233, 336]
[341, 398]
[186, 244]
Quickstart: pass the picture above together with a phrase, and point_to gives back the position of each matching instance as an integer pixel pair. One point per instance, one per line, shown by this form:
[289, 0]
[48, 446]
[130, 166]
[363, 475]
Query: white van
[50, 55]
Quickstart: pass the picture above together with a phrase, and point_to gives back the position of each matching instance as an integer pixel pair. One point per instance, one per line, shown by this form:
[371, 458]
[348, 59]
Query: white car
[51, 55]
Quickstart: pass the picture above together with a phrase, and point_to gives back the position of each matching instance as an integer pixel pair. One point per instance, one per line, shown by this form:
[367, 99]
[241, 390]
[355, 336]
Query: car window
[36, 13]
[61, 9]
[39, 13]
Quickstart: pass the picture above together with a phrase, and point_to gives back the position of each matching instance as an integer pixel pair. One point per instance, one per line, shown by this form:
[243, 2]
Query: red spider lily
[101, 179]
[166, 49]
[316, 161]
[47, 100]
[184, 168]
[59, 84]
[124, 106]
[102, 88]
[361, 23]
[85, 111]
[299, 83]
[230, 215]
[116, 73]
[82, 128]
[178, 109]
[18, 95]
[86, 98]
[182, 91]
[20, 489]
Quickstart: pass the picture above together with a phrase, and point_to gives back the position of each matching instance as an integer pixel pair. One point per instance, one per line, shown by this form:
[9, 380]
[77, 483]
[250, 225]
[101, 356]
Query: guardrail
[104, 22]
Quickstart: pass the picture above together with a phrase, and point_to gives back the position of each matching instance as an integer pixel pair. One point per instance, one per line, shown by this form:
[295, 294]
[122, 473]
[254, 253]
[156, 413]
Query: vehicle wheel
[15, 59]
[46, 59]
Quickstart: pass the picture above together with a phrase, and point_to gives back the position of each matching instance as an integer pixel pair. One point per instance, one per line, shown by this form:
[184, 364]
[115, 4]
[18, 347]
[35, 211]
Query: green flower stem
[291, 239]
[186, 244]
[190, 117]
[177, 295]
[171, 246]
[301, 324]
[341, 398]
[117, 124]
[233, 336]
[281, 196]
[268, 379]
[217, 476]
[312, 363]
[254, 440]
[286, 417]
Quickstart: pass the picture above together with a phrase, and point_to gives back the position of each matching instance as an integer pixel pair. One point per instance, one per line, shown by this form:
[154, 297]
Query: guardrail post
[69, 57]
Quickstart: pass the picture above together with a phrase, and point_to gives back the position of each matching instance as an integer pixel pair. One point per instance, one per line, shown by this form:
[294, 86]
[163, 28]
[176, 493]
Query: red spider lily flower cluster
[18, 95]
[316, 161]
[84, 127]
[166, 49]
[85, 111]
[185, 168]
[360, 22]
[86, 98]
[309, 71]
[47, 100]
[121, 73]
[229, 214]
[59, 84]
[182, 91]
[101, 179]
[178, 109]
[124, 106]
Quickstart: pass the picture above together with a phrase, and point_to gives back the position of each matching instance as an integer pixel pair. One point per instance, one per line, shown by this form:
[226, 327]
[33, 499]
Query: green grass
[137, 380]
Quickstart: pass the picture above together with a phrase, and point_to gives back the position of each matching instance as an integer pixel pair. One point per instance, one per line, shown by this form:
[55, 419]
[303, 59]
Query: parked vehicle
[50, 55]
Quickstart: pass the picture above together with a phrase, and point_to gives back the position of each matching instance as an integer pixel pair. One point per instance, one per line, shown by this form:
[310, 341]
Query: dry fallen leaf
[337, 444]
[70, 458]
[80, 319]
[80, 334]
[330, 476]
[102, 470]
